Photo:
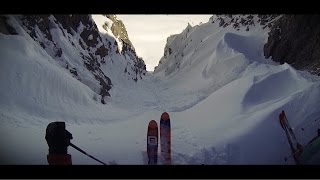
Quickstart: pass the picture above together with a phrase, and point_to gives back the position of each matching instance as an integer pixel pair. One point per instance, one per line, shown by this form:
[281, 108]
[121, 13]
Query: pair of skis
[165, 140]
[296, 148]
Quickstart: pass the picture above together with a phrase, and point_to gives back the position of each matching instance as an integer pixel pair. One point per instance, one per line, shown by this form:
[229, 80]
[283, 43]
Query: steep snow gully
[222, 95]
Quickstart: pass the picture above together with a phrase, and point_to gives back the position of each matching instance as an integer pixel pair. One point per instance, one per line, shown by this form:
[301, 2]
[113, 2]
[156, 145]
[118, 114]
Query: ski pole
[82, 151]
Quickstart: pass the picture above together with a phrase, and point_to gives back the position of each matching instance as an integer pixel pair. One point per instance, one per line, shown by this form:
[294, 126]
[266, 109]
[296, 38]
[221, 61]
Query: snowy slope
[74, 43]
[223, 100]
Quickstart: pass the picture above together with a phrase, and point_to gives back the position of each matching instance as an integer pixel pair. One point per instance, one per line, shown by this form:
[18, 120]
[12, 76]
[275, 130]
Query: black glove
[58, 138]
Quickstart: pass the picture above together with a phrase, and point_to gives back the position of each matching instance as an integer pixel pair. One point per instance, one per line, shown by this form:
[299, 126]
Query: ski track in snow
[223, 104]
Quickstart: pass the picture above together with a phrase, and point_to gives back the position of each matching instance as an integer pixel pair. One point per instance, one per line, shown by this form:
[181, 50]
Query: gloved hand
[58, 138]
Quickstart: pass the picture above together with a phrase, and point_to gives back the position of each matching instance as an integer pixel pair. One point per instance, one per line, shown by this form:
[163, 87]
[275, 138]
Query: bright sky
[149, 33]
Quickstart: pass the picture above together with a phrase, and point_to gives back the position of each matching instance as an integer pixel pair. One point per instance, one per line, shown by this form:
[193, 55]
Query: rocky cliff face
[295, 39]
[119, 31]
[75, 44]
[244, 21]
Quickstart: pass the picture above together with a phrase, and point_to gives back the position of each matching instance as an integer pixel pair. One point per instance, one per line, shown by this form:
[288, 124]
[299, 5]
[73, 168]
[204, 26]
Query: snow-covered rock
[75, 43]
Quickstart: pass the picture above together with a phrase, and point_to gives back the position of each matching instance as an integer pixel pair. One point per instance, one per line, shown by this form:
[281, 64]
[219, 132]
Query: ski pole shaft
[82, 151]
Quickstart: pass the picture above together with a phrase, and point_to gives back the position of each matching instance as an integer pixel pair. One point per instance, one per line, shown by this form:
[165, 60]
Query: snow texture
[222, 96]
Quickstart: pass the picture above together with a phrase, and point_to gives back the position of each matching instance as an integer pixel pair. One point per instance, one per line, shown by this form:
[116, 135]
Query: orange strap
[59, 159]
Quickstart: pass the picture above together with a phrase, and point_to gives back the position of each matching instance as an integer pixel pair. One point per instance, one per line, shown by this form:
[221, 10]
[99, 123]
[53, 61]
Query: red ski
[152, 142]
[296, 147]
[165, 138]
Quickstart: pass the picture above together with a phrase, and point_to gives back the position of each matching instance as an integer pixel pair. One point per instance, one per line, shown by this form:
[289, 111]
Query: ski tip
[153, 123]
[165, 116]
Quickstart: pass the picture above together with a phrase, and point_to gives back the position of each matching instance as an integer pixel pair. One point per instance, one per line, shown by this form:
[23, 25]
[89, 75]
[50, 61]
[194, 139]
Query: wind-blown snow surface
[223, 100]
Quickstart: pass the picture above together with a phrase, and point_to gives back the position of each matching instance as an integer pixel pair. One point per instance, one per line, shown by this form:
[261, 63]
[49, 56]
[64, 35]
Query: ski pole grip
[58, 138]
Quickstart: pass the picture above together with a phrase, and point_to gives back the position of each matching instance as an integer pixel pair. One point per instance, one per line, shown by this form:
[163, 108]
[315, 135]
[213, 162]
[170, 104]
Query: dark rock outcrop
[295, 39]
[244, 21]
